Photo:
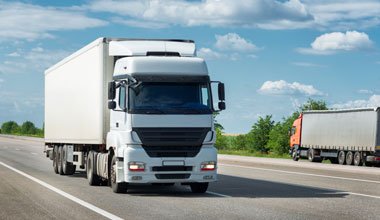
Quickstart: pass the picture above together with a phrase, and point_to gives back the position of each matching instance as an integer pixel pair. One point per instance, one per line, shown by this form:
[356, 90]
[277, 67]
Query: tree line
[27, 128]
[266, 135]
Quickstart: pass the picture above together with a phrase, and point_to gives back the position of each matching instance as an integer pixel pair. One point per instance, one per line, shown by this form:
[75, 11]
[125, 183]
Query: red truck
[349, 136]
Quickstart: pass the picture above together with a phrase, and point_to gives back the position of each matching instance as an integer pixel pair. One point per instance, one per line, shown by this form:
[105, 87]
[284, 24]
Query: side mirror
[111, 105]
[222, 105]
[111, 91]
[221, 93]
[289, 132]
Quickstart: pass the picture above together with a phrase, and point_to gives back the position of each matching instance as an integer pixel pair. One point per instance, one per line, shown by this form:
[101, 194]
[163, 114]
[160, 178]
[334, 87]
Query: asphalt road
[248, 188]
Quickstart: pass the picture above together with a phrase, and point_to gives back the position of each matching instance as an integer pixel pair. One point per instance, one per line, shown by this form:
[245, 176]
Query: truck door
[295, 138]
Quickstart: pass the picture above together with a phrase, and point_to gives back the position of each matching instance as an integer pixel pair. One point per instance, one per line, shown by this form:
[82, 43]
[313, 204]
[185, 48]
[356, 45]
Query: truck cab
[295, 138]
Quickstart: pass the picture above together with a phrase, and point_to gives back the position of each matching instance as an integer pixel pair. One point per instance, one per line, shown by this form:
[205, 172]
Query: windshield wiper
[155, 111]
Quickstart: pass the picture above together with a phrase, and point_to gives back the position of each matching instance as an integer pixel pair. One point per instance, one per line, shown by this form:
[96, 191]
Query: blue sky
[272, 55]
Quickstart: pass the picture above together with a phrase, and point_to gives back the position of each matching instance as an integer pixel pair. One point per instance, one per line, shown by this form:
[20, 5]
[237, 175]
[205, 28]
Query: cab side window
[122, 95]
[293, 130]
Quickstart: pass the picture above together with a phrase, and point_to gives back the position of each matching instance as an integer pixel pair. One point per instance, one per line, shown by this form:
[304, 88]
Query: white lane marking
[33, 153]
[312, 187]
[365, 195]
[218, 194]
[64, 194]
[300, 173]
[17, 149]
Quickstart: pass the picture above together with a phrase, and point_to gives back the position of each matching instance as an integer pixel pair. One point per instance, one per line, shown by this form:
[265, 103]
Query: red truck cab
[295, 137]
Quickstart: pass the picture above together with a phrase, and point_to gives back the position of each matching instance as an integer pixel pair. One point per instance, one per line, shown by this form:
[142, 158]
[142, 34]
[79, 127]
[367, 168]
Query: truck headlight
[208, 165]
[136, 166]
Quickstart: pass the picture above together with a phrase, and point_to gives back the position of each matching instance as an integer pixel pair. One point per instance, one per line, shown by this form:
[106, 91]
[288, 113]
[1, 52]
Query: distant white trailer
[349, 136]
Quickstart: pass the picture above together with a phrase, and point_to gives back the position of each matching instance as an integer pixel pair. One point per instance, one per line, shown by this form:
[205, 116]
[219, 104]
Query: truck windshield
[170, 98]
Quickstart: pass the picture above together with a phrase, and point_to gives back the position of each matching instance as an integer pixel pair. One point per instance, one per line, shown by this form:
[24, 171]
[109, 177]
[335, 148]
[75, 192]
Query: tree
[259, 135]
[28, 128]
[312, 104]
[221, 141]
[10, 127]
[278, 137]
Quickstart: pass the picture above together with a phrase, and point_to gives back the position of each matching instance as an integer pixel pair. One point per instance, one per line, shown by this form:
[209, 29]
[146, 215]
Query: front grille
[172, 168]
[173, 176]
[172, 142]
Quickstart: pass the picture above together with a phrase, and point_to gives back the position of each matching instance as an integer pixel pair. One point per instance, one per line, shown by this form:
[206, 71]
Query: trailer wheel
[93, 179]
[116, 187]
[341, 157]
[294, 155]
[358, 159]
[55, 156]
[68, 167]
[198, 187]
[59, 161]
[349, 158]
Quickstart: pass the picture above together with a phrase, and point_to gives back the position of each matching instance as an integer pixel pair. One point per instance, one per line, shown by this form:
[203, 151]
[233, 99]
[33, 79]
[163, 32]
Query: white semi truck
[133, 111]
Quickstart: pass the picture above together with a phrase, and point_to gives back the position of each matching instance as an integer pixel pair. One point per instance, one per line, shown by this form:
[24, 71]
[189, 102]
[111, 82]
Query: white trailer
[133, 111]
[347, 136]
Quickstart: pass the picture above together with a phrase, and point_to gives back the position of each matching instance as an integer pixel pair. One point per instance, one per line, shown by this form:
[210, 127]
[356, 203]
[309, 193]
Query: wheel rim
[341, 157]
[356, 158]
[113, 173]
[349, 158]
[294, 154]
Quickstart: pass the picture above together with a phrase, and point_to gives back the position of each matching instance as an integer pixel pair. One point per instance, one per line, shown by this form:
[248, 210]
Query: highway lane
[245, 190]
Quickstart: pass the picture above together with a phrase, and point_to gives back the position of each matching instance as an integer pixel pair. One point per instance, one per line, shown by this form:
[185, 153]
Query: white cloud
[33, 61]
[373, 101]
[282, 87]
[267, 14]
[344, 14]
[14, 54]
[365, 91]
[22, 21]
[253, 56]
[307, 64]
[38, 49]
[337, 41]
[234, 42]
[141, 24]
[209, 54]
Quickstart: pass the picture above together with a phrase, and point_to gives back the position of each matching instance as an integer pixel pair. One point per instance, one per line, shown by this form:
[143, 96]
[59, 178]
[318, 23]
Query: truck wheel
[198, 187]
[341, 157]
[349, 158]
[59, 161]
[358, 159]
[116, 187]
[55, 156]
[68, 167]
[93, 179]
[311, 156]
[294, 155]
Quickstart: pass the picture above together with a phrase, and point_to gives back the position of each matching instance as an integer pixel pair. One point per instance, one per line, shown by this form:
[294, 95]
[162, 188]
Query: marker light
[208, 165]
[136, 166]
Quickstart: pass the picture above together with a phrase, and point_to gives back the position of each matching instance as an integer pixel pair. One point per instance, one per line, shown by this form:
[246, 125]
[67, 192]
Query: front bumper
[138, 154]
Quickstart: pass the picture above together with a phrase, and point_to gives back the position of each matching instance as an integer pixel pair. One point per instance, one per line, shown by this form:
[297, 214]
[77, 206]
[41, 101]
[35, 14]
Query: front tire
[198, 187]
[116, 187]
[294, 155]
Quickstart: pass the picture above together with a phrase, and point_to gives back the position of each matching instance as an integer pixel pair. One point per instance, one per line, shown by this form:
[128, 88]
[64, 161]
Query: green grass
[254, 154]
[27, 135]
